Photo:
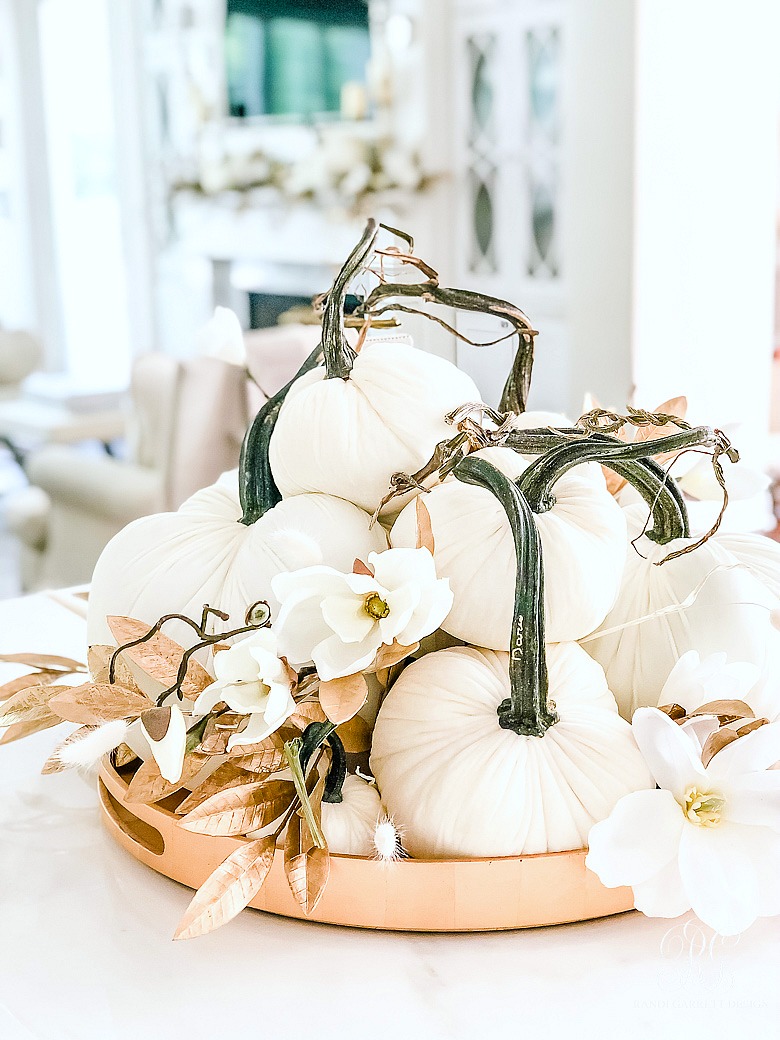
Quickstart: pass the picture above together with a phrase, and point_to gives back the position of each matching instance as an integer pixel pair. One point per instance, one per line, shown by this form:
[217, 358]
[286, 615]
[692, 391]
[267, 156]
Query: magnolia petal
[719, 877]
[245, 698]
[256, 729]
[364, 585]
[279, 705]
[209, 697]
[269, 666]
[754, 799]
[662, 895]
[168, 750]
[315, 581]
[752, 753]
[700, 728]
[435, 604]
[335, 659]
[299, 627]
[683, 677]
[397, 567]
[670, 753]
[767, 864]
[239, 662]
[348, 617]
[402, 603]
[637, 840]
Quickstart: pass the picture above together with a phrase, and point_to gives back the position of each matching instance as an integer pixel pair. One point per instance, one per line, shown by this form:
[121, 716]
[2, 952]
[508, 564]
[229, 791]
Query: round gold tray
[414, 895]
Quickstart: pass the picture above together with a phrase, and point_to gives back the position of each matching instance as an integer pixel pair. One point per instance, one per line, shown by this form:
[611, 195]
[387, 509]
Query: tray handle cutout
[139, 831]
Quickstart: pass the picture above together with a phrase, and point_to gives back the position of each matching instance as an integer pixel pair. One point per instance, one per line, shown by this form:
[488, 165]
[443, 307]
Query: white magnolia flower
[339, 621]
[708, 840]
[222, 337]
[251, 680]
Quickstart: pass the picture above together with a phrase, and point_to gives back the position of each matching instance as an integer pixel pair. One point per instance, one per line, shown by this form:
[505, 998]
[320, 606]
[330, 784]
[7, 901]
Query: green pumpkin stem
[657, 487]
[527, 711]
[383, 299]
[339, 355]
[538, 480]
[256, 486]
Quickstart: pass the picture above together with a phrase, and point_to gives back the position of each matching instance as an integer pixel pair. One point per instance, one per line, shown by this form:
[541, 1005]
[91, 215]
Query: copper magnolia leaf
[231, 887]
[54, 763]
[159, 656]
[750, 727]
[306, 712]
[341, 699]
[716, 742]
[307, 866]
[99, 661]
[676, 712]
[355, 735]
[726, 711]
[224, 777]
[45, 662]
[95, 703]
[424, 526]
[391, 654]
[238, 810]
[20, 730]
[148, 786]
[31, 704]
[218, 732]
[23, 682]
[268, 755]
[358, 567]
[123, 756]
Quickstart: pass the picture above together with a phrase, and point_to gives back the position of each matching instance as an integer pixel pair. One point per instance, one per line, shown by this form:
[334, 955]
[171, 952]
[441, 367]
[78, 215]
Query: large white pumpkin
[347, 436]
[480, 753]
[716, 599]
[177, 562]
[583, 547]
[456, 784]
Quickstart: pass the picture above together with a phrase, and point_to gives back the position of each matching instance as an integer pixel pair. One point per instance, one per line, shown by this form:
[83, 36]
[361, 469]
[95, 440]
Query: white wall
[598, 221]
[706, 161]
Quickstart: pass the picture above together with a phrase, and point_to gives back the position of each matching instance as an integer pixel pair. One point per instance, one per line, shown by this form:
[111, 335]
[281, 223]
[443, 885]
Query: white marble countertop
[85, 949]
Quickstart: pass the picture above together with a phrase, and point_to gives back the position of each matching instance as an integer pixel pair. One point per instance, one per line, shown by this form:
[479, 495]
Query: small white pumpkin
[347, 436]
[349, 825]
[583, 539]
[471, 756]
[177, 562]
[716, 599]
[348, 425]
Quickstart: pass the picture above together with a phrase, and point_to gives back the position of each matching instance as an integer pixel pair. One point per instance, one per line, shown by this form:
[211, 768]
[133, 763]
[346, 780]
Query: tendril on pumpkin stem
[258, 615]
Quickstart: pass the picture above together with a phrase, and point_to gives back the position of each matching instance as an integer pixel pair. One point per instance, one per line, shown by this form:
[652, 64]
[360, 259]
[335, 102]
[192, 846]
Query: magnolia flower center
[703, 809]
[376, 607]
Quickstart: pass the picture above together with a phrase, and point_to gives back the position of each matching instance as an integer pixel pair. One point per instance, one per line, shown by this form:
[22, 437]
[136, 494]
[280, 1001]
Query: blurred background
[611, 167]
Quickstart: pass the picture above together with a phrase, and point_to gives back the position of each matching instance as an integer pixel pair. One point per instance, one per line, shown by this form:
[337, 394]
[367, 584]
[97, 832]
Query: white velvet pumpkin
[583, 547]
[347, 437]
[349, 825]
[458, 785]
[716, 599]
[176, 562]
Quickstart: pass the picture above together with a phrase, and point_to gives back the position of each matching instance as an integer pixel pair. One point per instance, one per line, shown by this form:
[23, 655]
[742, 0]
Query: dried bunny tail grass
[87, 751]
[296, 548]
[388, 846]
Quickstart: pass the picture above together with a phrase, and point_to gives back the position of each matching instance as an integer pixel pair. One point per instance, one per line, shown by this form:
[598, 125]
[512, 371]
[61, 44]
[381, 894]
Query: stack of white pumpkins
[514, 739]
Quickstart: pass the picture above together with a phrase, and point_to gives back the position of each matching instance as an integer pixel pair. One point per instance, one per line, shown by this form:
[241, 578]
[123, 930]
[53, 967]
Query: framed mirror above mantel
[282, 124]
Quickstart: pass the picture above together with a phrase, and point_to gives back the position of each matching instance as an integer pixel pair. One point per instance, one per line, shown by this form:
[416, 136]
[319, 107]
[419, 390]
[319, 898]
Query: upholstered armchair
[20, 354]
[186, 422]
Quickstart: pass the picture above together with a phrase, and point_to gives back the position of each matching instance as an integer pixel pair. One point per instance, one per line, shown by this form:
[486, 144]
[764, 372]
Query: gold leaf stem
[292, 750]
